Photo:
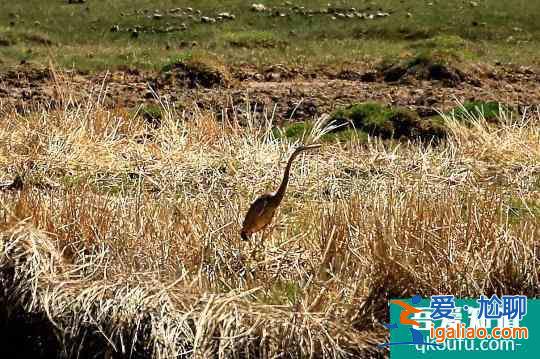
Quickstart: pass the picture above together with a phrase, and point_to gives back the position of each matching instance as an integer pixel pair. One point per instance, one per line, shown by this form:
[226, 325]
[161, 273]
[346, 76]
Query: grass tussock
[358, 121]
[196, 70]
[126, 234]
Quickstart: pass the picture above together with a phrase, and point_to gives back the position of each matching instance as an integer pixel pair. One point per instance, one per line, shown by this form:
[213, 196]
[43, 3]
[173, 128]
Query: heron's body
[259, 216]
[262, 210]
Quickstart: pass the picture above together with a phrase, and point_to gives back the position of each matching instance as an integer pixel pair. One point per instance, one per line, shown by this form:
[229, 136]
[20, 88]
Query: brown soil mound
[196, 73]
[426, 69]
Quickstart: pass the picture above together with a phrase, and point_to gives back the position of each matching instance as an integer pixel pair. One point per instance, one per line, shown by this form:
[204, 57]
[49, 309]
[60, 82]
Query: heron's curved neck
[280, 193]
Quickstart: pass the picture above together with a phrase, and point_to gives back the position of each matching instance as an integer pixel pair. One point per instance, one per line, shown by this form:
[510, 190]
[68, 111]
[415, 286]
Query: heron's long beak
[309, 147]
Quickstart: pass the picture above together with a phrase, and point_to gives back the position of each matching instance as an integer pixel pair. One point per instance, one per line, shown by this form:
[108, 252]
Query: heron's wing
[257, 209]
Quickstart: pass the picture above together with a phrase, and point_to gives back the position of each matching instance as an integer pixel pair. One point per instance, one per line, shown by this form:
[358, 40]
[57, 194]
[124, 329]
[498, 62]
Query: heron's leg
[262, 240]
[263, 237]
[253, 245]
[266, 231]
[251, 263]
[253, 252]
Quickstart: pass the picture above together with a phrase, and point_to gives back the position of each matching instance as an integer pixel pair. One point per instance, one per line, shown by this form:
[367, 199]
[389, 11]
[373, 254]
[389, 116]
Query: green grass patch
[490, 110]
[183, 57]
[388, 122]
[7, 39]
[296, 130]
[152, 114]
[10, 37]
[519, 209]
[82, 33]
[360, 120]
[253, 39]
[442, 49]
[283, 292]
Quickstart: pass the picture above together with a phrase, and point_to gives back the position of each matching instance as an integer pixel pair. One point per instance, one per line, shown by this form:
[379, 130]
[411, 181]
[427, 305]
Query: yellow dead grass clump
[136, 244]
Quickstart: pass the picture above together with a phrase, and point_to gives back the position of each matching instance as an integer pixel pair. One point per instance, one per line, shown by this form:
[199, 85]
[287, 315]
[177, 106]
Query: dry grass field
[124, 240]
[125, 175]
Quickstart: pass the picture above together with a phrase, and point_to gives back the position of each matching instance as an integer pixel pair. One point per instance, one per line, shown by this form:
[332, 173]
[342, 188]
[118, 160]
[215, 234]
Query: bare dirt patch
[292, 94]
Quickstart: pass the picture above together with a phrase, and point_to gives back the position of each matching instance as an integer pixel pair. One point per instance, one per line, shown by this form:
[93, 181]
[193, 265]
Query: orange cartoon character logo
[408, 310]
